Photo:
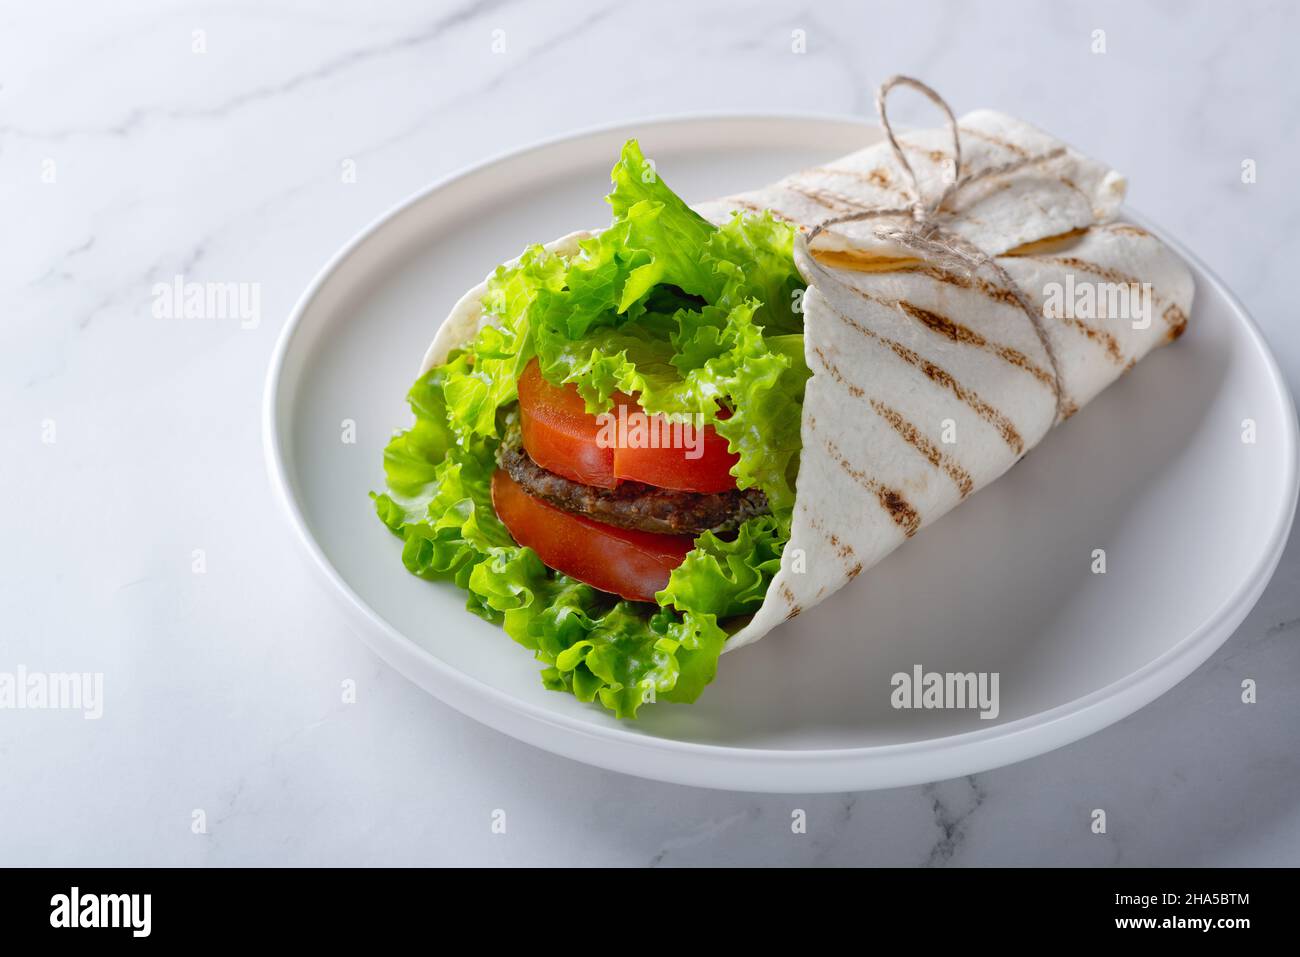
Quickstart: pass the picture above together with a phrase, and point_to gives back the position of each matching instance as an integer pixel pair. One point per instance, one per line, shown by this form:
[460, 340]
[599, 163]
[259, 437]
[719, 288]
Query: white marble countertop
[128, 157]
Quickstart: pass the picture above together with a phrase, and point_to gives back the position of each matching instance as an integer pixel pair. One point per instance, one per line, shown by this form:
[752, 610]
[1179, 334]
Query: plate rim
[686, 762]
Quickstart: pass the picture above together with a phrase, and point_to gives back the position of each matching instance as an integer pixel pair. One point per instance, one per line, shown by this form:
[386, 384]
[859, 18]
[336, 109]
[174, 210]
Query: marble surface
[127, 157]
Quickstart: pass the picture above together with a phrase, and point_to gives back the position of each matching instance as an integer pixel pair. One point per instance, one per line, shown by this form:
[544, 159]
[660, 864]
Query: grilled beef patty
[632, 505]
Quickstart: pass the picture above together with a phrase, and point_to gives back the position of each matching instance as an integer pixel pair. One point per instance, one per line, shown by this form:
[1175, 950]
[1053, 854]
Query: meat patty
[632, 504]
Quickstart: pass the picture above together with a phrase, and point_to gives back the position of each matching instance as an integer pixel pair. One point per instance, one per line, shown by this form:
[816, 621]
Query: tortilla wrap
[928, 382]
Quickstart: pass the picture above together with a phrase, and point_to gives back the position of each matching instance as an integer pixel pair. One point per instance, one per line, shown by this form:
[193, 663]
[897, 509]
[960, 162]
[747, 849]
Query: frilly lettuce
[696, 319]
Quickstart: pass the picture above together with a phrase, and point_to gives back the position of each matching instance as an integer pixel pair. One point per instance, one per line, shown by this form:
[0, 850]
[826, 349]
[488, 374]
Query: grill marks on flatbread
[852, 567]
[1016, 150]
[877, 178]
[1100, 336]
[967, 281]
[956, 332]
[842, 548]
[908, 431]
[1172, 316]
[791, 602]
[1050, 251]
[896, 506]
[1176, 319]
[1095, 269]
[936, 156]
[1000, 294]
[828, 199]
[846, 259]
[933, 454]
[941, 377]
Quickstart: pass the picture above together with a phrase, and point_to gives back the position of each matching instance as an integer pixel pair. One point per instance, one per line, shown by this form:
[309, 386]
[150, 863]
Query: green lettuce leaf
[692, 318]
[596, 647]
[725, 577]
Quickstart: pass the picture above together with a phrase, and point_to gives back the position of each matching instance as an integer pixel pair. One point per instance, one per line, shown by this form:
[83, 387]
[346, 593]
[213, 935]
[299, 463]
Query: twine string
[921, 212]
[918, 228]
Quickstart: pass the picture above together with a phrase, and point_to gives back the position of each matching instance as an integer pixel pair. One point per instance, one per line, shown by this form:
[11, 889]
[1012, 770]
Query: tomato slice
[562, 437]
[558, 432]
[631, 564]
[695, 461]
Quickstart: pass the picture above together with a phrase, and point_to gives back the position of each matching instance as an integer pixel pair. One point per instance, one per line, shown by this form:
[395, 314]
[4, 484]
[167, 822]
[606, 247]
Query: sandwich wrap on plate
[838, 358]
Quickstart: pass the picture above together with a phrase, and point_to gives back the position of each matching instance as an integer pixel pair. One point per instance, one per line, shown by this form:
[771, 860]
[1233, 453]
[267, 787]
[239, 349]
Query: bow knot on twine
[919, 227]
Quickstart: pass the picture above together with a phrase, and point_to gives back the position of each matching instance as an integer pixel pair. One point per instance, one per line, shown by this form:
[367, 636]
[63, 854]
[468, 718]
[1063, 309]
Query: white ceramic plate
[1154, 471]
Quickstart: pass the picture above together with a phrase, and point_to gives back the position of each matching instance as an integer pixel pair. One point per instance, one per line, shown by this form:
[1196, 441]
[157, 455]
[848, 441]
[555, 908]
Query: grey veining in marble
[144, 139]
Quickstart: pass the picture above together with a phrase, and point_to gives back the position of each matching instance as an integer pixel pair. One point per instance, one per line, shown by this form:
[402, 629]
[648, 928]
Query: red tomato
[674, 467]
[559, 434]
[628, 563]
[562, 437]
